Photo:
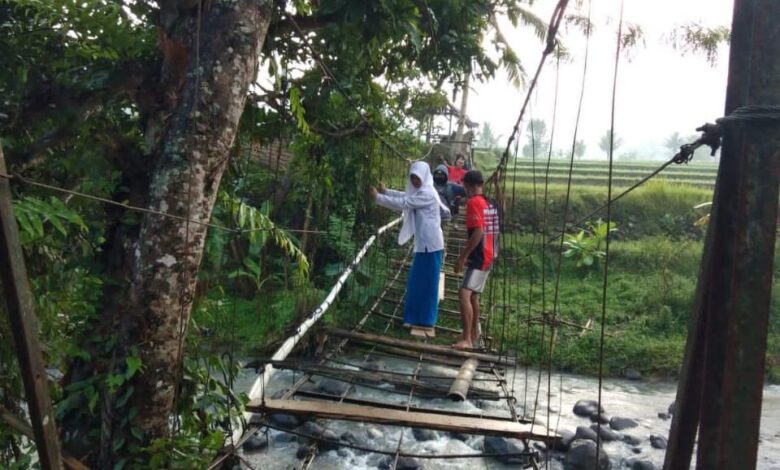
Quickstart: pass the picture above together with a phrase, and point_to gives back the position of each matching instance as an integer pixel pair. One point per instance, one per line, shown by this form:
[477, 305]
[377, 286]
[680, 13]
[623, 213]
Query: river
[641, 401]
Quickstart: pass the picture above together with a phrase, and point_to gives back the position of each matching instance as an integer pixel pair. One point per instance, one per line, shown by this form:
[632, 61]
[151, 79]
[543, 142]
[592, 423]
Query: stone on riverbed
[619, 424]
[585, 408]
[641, 465]
[330, 440]
[255, 444]
[404, 463]
[424, 434]
[631, 440]
[311, 429]
[332, 387]
[582, 456]
[606, 433]
[285, 421]
[598, 417]
[374, 433]
[659, 442]
[504, 446]
[584, 432]
[563, 442]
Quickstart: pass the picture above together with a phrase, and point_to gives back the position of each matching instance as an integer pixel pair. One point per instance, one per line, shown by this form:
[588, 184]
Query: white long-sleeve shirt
[428, 236]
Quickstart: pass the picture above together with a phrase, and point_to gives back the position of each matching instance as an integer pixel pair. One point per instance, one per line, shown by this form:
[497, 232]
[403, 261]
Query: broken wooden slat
[414, 346]
[414, 419]
[460, 386]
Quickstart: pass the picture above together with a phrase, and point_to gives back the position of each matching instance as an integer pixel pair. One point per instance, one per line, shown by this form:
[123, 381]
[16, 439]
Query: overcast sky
[659, 91]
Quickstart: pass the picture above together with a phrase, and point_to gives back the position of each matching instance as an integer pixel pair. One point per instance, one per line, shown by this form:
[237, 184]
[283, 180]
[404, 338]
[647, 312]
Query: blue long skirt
[422, 289]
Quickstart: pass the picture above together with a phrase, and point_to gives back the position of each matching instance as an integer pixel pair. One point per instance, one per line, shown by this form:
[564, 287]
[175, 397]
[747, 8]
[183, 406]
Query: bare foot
[462, 345]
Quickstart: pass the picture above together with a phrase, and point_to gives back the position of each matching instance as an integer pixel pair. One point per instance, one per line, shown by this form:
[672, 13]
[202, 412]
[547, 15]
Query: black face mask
[439, 178]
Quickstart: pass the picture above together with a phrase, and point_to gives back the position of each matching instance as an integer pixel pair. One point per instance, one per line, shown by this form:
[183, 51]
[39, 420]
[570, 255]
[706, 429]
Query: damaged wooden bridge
[418, 376]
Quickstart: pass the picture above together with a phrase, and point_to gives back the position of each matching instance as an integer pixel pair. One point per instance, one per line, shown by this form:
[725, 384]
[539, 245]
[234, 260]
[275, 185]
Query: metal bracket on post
[24, 327]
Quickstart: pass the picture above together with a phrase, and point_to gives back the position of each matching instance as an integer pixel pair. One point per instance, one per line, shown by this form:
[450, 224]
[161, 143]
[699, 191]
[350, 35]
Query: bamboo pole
[459, 389]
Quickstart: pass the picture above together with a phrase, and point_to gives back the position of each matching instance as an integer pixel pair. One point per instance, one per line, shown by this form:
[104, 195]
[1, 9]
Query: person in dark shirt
[477, 257]
[451, 194]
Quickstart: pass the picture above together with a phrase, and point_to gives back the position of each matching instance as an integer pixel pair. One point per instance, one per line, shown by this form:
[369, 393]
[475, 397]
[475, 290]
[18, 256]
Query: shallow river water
[638, 400]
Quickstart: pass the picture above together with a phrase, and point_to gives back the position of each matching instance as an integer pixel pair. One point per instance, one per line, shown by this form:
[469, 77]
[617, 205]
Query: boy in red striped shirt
[477, 256]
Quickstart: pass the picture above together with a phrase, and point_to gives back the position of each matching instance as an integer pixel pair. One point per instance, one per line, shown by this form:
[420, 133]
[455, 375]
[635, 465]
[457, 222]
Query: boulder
[606, 433]
[563, 442]
[285, 421]
[672, 408]
[585, 408]
[424, 434]
[284, 438]
[659, 442]
[404, 463]
[303, 450]
[255, 444]
[330, 441]
[619, 424]
[664, 416]
[350, 438]
[582, 456]
[632, 374]
[332, 387]
[598, 417]
[631, 440]
[460, 436]
[641, 465]
[503, 447]
[586, 433]
[342, 452]
[311, 429]
[374, 433]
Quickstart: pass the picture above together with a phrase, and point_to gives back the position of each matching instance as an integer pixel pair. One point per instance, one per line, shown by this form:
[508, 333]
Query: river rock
[659, 442]
[255, 444]
[350, 438]
[582, 456]
[284, 438]
[342, 452]
[330, 440]
[460, 436]
[606, 433]
[504, 446]
[598, 417]
[632, 374]
[311, 429]
[285, 421]
[631, 440]
[641, 465]
[619, 424]
[424, 434]
[672, 408]
[585, 433]
[303, 450]
[404, 463]
[257, 418]
[332, 387]
[585, 408]
[374, 433]
[663, 416]
[563, 442]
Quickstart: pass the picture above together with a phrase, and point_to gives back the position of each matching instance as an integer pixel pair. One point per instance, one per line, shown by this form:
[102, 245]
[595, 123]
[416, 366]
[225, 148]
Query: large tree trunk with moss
[206, 71]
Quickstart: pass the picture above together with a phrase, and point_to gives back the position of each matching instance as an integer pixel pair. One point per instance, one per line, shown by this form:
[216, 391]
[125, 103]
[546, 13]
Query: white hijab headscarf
[417, 197]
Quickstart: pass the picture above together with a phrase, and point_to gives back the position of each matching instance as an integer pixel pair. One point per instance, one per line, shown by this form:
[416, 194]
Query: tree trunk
[206, 72]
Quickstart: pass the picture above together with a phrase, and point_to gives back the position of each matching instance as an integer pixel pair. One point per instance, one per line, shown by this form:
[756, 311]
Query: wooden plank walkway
[414, 419]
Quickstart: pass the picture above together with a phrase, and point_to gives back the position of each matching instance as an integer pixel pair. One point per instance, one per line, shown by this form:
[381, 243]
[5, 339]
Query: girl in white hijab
[421, 208]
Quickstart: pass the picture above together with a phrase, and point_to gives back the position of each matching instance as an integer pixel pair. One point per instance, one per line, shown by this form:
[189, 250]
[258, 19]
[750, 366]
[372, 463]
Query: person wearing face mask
[421, 208]
[451, 194]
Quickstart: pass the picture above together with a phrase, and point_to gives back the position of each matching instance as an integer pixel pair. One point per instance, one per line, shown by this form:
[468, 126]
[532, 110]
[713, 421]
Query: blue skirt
[422, 289]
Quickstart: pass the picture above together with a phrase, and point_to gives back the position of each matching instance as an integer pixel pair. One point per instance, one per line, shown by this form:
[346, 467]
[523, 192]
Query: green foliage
[586, 246]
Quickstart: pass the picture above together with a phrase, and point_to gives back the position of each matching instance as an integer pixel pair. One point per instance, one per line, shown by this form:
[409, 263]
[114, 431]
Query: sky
[659, 90]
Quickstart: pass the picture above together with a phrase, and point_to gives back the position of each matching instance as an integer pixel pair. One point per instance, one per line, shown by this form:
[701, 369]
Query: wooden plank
[414, 419]
[415, 346]
[428, 389]
[390, 351]
[394, 406]
[24, 327]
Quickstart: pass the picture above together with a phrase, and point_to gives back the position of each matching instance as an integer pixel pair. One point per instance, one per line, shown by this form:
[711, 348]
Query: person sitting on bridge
[482, 225]
[421, 208]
